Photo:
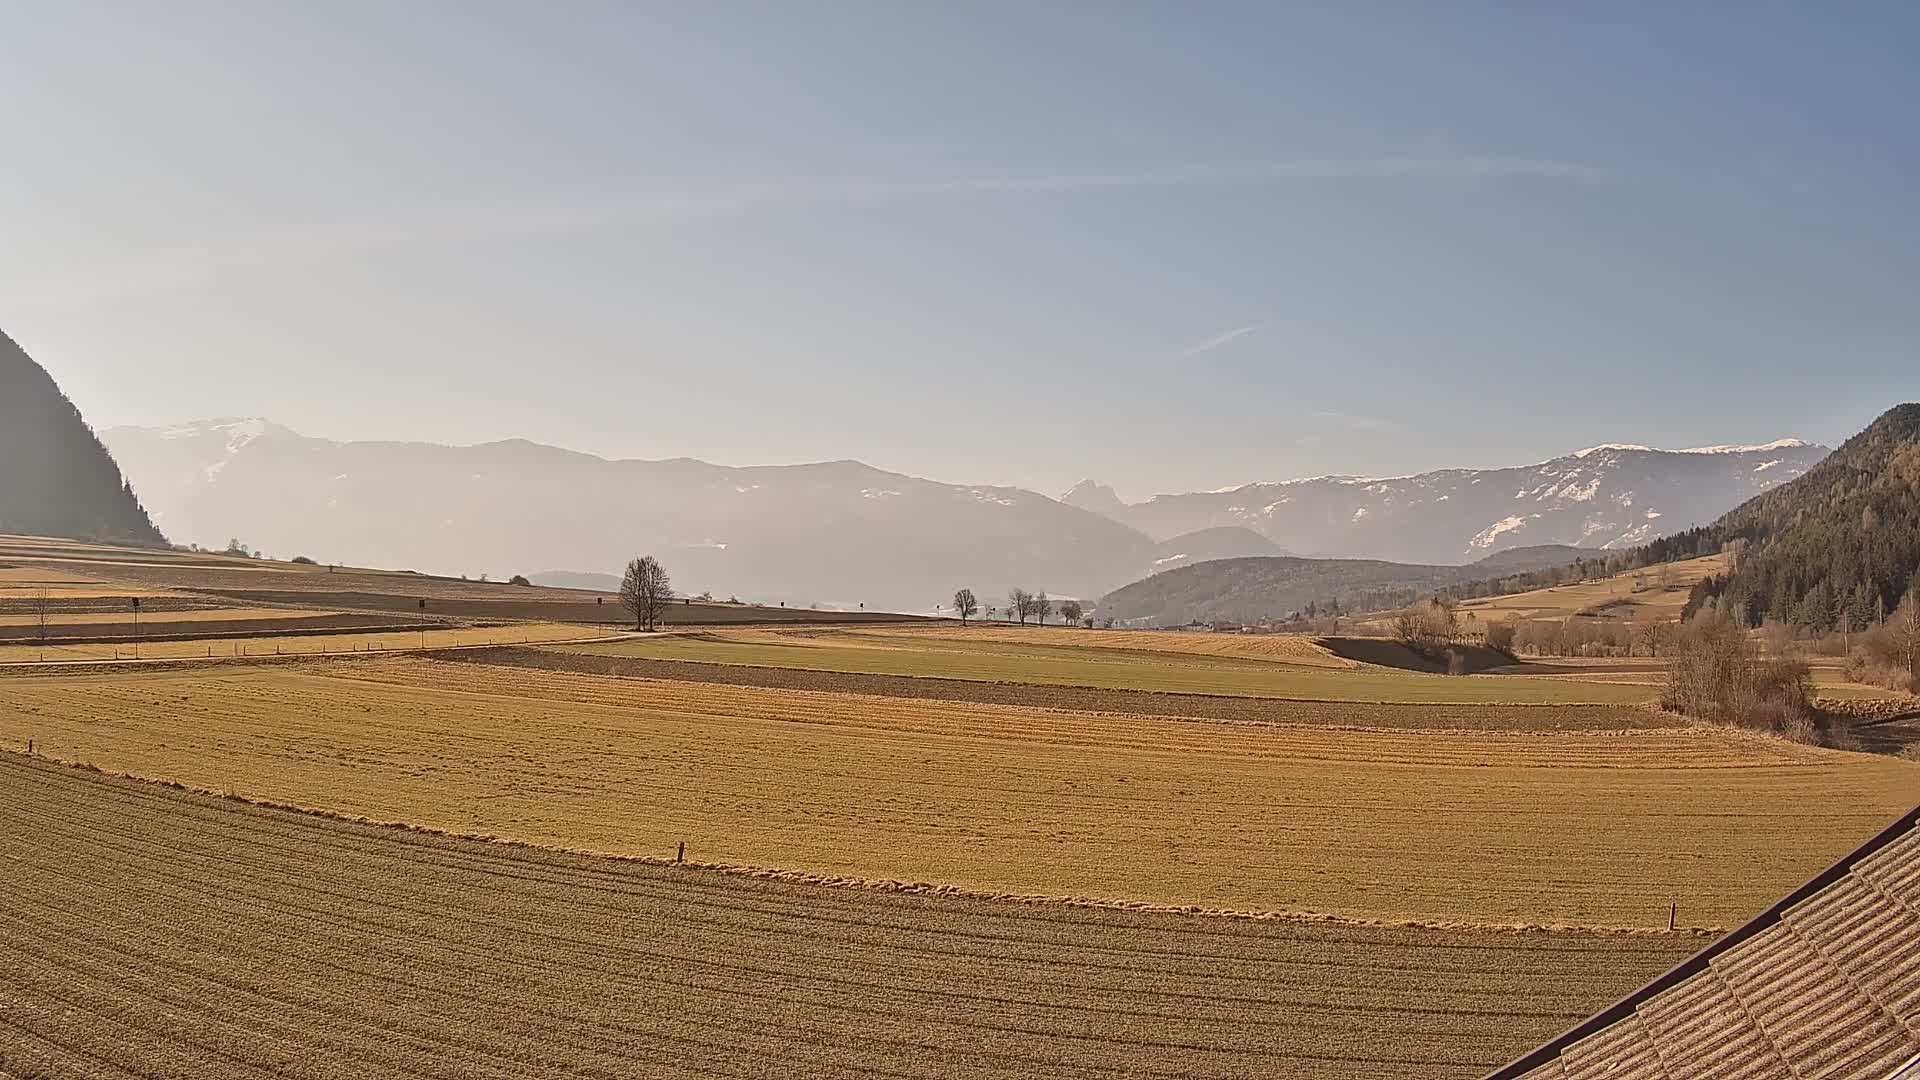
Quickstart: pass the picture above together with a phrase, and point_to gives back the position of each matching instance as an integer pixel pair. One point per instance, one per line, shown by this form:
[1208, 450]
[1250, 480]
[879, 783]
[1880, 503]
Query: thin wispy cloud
[1217, 341]
[364, 232]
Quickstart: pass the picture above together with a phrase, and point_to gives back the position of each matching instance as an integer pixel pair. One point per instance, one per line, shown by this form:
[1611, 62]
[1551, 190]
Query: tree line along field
[998, 656]
[156, 933]
[1592, 828]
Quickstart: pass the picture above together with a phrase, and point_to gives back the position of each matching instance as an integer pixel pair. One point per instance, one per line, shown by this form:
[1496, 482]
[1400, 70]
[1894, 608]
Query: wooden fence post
[1673, 913]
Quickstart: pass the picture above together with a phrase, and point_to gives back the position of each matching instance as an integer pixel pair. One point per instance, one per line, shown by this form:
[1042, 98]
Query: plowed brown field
[1590, 828]
[152, 933]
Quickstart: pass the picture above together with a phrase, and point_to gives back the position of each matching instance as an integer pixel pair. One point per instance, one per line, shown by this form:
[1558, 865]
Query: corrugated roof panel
[1896, 868]
[1817, 1018]
[1873, 941]
[1621, 1052]
[1703, 1031]
[1824, 985]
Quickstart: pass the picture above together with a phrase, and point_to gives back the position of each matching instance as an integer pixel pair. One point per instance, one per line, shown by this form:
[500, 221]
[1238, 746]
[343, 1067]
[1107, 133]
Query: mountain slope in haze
[836, 533]
[1098, 498]
[1613, 496]
[56, 479]
[1225, 542]
[1844, 538]
[1257, 589]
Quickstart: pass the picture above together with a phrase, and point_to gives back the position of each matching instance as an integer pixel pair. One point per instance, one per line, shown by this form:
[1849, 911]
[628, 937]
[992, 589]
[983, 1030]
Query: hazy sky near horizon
[1171, 247]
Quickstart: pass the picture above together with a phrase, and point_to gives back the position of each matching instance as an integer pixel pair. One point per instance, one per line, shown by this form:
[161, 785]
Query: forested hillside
[1835, 548]
[56, 479]
[1267, 588]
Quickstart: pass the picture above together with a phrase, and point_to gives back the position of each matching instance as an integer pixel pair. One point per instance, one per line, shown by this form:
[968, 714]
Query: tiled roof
[1824, 985]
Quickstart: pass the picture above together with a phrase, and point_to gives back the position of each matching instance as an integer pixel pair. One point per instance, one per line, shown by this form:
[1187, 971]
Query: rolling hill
[1254, 589]
[57, 479]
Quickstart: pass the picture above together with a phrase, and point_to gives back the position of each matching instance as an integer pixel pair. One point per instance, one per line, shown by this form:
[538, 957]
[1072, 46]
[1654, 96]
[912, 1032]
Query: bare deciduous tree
[966, 605]
[42, 607]
[1904, 624]
[1426, 627]
[1070, 612]
[1041, 605]
[1650, 631]
[1500, 634]
[646, 591]
[1718, 674]
[1020, 604]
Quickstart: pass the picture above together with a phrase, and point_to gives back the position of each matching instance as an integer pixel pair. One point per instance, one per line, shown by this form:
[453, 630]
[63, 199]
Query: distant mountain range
[1612, 496]
[838, 533]
[55, 477]
[846, 534]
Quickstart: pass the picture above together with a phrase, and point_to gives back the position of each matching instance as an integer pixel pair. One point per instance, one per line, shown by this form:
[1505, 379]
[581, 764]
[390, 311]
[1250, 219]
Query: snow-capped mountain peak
[1094, 496]
[1610, 496]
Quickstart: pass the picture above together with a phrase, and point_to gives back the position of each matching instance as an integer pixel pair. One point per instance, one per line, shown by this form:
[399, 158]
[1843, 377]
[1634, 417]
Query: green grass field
[949, 657]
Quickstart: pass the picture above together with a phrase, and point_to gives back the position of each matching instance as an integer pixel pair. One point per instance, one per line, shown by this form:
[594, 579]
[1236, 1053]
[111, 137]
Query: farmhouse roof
[1825, 983]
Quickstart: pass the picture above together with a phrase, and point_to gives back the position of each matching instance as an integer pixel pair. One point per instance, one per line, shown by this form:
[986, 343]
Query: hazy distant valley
[847, 534]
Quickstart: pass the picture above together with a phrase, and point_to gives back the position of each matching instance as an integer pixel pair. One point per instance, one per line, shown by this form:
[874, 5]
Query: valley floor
[155, 933]
[1577, 827]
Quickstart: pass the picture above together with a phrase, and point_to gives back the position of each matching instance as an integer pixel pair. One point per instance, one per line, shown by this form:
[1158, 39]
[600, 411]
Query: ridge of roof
[1698, 962]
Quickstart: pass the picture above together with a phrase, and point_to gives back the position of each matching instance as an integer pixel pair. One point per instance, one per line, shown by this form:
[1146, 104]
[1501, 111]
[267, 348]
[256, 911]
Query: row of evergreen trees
[1835, 549]
[56, 479]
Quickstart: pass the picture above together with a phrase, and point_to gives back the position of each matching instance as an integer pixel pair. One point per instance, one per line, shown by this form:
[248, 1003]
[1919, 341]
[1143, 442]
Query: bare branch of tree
[645, 590]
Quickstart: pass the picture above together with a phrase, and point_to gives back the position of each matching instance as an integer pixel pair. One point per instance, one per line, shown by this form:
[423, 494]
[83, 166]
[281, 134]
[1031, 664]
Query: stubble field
[1505, 827]
[154, 933]
[996, 655]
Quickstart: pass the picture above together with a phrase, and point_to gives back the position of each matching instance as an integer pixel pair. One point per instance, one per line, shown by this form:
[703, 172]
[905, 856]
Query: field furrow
[166, 934]
[1484, 827]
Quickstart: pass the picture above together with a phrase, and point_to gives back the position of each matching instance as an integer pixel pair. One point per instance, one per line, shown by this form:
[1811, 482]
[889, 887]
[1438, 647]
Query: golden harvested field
[153, 933]
[1246, 710]
[26, 583]
[992, 658]
[1660, 589]
[296, 644]
[1588, 828]
[1280, 648]
[202, 615]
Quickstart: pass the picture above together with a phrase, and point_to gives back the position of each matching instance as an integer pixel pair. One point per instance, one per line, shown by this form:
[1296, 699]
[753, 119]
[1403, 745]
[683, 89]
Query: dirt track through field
[1584, 828]
[1093, 699]
[151, 933]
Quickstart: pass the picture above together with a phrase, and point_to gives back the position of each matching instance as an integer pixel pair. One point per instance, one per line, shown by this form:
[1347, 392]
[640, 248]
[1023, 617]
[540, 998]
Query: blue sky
[1169, 246]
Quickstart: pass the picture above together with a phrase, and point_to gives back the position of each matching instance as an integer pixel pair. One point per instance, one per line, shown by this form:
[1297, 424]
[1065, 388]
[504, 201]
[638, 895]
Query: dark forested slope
[1840, 543]
[56, 479]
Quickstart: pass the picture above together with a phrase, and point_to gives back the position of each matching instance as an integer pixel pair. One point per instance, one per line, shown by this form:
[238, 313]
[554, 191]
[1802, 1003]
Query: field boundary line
[1131, 690]
[906, 888]
[6, 665]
